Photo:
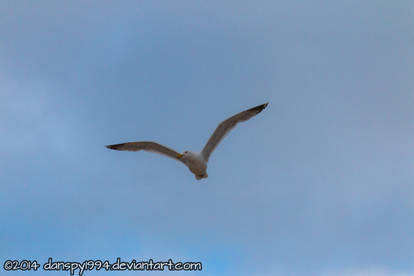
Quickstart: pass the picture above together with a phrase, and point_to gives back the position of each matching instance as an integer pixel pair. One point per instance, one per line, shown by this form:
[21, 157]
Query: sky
[319, 183]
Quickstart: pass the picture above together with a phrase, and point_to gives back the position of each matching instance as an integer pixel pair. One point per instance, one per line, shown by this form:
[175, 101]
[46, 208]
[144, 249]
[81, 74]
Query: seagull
[195, 161]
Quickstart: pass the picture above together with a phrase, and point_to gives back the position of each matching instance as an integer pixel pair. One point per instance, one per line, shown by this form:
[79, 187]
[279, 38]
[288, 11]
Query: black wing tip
[259, 108]
[113, 147]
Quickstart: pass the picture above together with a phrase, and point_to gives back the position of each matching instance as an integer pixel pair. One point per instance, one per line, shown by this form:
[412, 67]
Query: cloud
[324, 175]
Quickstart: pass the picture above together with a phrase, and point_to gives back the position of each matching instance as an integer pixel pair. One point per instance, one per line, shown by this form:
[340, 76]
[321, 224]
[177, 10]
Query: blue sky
[320, 183]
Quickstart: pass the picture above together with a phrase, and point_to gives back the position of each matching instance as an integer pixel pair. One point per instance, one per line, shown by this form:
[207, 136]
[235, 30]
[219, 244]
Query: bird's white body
[195, 163]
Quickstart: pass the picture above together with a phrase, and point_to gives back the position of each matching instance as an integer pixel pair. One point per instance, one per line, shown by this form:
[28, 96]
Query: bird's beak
[179, 156]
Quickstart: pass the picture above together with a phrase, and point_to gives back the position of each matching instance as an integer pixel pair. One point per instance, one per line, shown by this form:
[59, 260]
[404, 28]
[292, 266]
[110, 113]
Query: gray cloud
[321, 181]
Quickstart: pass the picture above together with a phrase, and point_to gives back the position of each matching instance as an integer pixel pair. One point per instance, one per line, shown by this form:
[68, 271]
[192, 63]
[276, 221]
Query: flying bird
[195, 161]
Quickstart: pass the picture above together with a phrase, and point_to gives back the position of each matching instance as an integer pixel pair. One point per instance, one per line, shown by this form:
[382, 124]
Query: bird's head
[183, 155]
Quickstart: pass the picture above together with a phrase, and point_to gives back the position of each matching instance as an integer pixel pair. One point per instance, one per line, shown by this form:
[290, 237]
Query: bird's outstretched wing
[147, 146]
[227, 125]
